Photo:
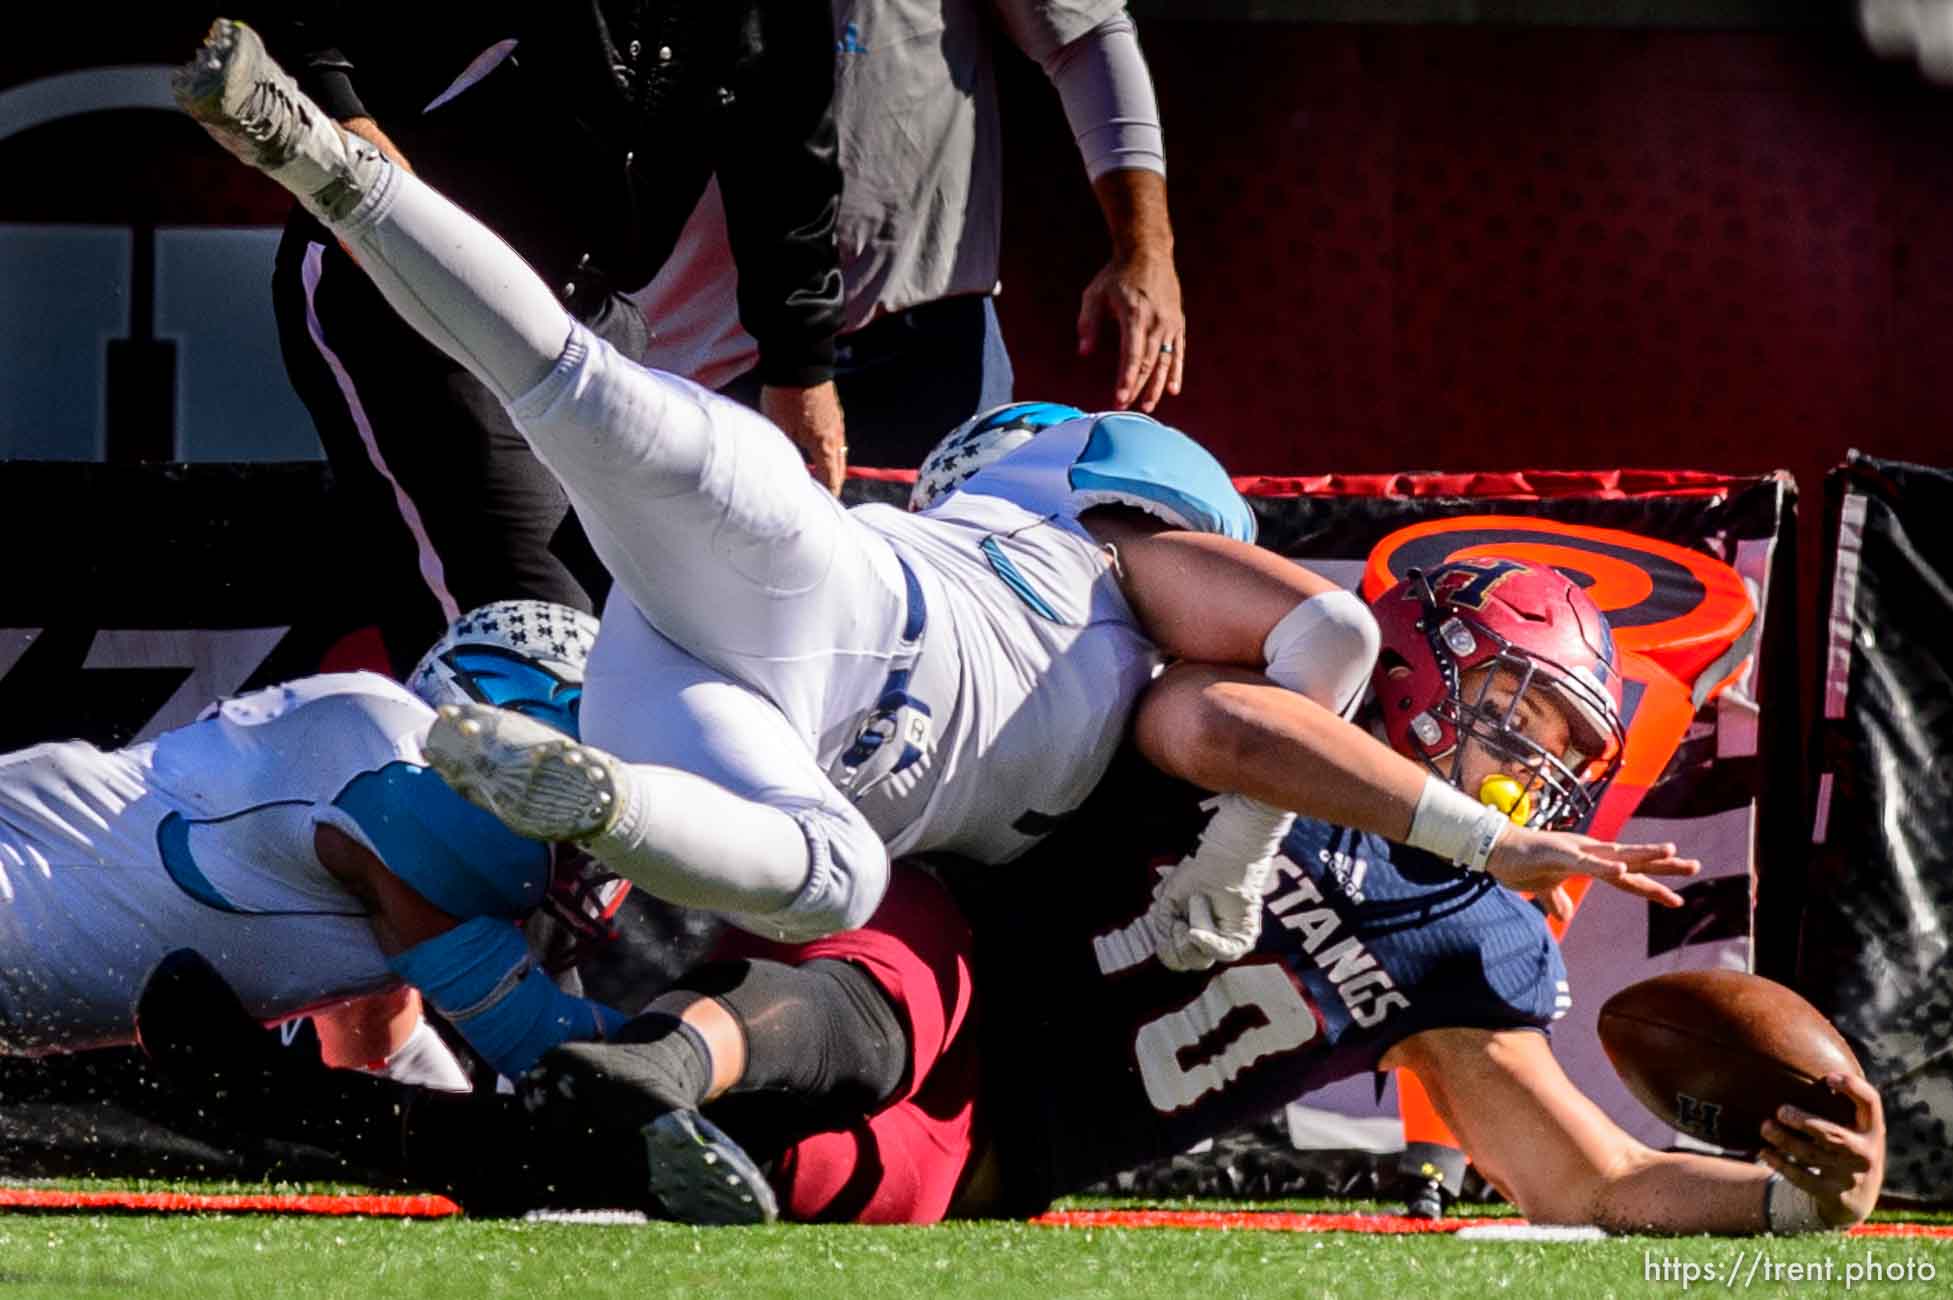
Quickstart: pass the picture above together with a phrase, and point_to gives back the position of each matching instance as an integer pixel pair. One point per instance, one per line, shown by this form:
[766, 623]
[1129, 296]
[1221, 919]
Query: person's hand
[812, 418]
[1205, 915]
[1841, 1168]
[1540, 861]
[1142, 293]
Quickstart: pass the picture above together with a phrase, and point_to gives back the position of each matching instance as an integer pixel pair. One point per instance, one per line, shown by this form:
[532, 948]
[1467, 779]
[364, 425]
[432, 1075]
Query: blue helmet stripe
[509, 680]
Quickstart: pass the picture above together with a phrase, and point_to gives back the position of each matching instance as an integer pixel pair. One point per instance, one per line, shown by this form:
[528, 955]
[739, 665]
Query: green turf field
[262, 1257]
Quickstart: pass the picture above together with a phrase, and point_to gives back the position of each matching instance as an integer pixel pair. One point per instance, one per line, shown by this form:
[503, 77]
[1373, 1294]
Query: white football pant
[761, 618]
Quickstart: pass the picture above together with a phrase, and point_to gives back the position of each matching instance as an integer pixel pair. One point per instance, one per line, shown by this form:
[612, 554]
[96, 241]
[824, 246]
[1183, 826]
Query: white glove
[1198, 924]
[1208, 909]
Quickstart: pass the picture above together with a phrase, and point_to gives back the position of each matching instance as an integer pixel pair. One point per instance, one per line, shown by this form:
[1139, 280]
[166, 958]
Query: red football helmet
[1528, 620]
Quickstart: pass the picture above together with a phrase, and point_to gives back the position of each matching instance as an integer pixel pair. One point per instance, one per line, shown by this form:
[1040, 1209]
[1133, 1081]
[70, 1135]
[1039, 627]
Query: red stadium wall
[1409, 247]
[1424, 247]
[1474, 247]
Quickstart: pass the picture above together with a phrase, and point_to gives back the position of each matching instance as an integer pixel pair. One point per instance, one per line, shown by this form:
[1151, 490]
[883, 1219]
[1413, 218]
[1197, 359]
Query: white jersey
[1031, 663]
[200, 839]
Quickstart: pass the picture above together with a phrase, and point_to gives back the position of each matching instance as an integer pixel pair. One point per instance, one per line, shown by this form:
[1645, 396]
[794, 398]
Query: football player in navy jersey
[994, 1038]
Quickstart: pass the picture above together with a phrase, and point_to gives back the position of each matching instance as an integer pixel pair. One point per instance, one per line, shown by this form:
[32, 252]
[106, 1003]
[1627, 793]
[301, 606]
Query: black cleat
[199, 1037]
[700, 1175]
[195, 1031]
[1435, 1175]
[612, 1092]
[1425, 1202]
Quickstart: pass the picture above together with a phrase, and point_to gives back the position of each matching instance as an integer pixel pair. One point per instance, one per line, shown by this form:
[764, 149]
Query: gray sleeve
[1108, 96]
[1041, 27]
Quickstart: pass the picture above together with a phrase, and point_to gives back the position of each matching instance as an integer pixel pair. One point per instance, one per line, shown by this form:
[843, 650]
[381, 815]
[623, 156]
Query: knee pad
[847, 875]
[1325, 648]
[821, 1030]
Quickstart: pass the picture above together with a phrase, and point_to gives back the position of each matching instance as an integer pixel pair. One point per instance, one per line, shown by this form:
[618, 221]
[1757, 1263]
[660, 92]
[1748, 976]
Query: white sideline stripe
[1532, 1232]
[90, 90]
[600, 1218]
[431, 570]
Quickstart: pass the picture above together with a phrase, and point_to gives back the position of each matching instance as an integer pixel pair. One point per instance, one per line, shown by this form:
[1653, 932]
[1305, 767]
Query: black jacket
[588, 147]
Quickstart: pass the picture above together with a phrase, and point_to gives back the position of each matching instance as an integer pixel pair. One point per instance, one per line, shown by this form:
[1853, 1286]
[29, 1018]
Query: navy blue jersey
[1098, 1058]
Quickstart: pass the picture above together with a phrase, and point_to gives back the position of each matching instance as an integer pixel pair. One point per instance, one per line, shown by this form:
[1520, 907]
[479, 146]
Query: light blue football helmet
[980, 441]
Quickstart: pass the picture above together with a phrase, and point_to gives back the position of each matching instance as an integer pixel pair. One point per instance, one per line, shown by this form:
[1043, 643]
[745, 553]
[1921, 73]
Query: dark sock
[671, 1050]
[823, 1047]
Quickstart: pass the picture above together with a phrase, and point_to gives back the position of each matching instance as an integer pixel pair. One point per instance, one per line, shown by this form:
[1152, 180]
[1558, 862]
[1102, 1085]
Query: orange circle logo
[1681, 608]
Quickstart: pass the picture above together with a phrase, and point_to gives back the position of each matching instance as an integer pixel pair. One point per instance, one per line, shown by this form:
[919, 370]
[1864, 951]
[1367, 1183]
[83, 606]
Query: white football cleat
[248, 104]
[538, 781]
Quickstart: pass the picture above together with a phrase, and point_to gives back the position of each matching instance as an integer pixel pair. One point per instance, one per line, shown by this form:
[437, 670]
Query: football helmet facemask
[584, 897]
[1504, 616]
[524, 655]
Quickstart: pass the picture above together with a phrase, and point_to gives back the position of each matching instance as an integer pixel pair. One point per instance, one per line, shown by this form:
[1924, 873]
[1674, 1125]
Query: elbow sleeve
[1325, 648]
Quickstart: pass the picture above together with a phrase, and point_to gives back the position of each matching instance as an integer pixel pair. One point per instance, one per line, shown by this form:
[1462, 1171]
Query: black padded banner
[1877, 951]
[137, 594]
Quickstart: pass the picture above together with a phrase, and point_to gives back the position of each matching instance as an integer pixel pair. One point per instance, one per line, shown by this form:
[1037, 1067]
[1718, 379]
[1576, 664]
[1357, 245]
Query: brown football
[1715, 1052]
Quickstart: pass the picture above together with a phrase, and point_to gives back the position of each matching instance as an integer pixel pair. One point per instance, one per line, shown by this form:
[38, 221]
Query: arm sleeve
[1489, 964]
[1108, 97]
[780, 174]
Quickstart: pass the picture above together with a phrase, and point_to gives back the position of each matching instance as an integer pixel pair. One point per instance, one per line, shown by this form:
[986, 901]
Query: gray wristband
[1789, 1209]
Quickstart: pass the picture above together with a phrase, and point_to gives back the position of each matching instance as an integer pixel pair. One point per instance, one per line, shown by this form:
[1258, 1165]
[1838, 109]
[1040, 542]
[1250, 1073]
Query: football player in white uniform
[293, 836]
[784, 691]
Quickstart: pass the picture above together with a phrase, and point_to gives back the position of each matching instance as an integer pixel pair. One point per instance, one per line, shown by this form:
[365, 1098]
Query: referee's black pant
[444, 505]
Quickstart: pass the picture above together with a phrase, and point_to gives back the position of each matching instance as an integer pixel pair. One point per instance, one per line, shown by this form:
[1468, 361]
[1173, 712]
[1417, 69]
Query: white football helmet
[980, 441]
[525, 655]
